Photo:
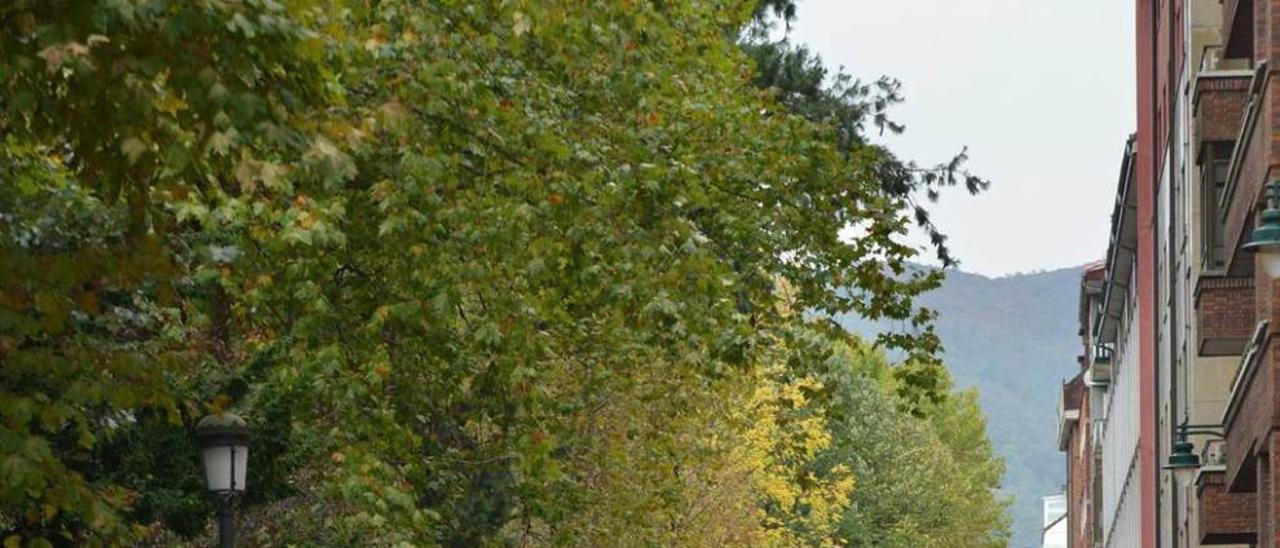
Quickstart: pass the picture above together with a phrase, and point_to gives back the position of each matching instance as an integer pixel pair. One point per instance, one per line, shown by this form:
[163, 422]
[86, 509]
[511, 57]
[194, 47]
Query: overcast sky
[1042, 92]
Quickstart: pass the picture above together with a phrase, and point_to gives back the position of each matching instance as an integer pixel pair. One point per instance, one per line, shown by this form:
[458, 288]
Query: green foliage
[926, 473]
[487, 273]
[119, 118]
[1005, 337]
[807, 88]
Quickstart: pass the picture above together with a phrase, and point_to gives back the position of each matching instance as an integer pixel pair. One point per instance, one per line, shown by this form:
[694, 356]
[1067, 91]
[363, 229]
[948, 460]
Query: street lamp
[224, 447]
[1265, 240]
[1182, 455]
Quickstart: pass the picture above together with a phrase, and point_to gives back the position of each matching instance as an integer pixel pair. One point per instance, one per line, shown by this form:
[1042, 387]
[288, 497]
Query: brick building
[1236, 312]
[1177, 323]
[1077, 422]
[1112, 371]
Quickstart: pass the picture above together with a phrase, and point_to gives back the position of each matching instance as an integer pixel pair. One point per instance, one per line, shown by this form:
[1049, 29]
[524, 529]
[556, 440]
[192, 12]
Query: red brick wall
[1078, 485]
[1220, 104]
[1249, 422]
[1225, 518]
[1225, 314]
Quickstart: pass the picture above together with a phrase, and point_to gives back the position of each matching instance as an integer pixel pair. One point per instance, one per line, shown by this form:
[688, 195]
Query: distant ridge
[1013, 338]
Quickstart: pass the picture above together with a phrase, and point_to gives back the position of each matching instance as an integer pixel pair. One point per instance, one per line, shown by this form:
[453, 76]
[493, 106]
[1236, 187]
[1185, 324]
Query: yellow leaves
[331, 162]
[272, 175]
[133, 147]
[251, 173]
[788, 433]
[784, 304]
[520, 24]
[57, 55]
[220, 142]
[13, 541]
[377, 40]
[306, 220]
[169, 102]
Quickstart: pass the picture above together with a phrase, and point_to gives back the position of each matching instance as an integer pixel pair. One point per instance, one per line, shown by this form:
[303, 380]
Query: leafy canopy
[477, 270]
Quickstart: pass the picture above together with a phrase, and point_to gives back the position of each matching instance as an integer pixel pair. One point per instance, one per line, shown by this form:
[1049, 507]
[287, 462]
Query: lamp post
[224, 448]
[1182, 455]
[1265, 240]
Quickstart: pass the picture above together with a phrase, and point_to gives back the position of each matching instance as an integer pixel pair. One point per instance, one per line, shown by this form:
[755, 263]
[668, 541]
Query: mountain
[1014, 339]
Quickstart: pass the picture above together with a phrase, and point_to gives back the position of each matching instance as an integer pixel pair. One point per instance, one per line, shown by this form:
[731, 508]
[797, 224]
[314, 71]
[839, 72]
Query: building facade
[1079, 425]
[1100, 425]
[1169, 428]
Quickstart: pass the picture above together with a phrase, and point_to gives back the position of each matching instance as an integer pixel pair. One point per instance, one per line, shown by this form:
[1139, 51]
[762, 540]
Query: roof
[1120, 250]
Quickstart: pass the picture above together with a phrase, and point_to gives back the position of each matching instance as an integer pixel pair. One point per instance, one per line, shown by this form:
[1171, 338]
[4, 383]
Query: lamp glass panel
[217, 466]
[1270, 259]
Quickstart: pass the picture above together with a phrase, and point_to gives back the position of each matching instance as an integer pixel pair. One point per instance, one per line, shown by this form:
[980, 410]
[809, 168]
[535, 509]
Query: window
[1214, 165]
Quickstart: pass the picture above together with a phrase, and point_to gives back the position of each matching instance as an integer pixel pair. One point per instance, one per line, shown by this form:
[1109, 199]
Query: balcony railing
[1225, 517]
[1246, 419]
[1224, 314]
[1099, 372]
[1248, 166]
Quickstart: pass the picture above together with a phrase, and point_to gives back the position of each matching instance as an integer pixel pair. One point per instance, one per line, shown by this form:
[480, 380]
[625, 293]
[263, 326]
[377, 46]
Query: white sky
[1042, 92]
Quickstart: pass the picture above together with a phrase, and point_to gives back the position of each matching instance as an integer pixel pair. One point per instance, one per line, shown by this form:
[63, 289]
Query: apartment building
[1235, 305]
[1178, 395]
[1080, 418]
[1100, 414]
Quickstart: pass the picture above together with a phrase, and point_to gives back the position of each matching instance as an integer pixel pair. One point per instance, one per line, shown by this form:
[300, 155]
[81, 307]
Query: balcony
[1245, 177]
[1098, 372]
[1069, 410]
[1224, 314]
[1219, 104]
[1250, 407]
[1224, 517]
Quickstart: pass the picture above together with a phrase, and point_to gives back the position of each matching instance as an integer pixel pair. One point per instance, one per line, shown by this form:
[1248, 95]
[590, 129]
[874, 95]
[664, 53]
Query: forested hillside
[1014, 339]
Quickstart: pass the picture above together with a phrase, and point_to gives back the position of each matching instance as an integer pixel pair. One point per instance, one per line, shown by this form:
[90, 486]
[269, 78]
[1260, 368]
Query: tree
[808, 88]
[840, 458]
[482, 270]
[926, 476]
[120, 119]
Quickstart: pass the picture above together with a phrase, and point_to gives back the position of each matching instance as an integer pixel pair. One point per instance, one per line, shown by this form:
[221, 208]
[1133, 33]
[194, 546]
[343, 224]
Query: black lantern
[224, 448]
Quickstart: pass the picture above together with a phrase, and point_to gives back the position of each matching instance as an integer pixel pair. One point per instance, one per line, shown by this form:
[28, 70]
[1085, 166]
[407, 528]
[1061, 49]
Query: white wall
[1119, 437]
